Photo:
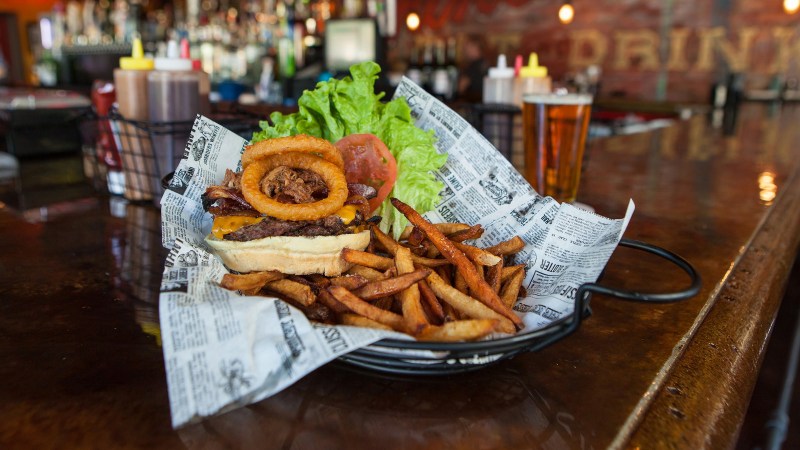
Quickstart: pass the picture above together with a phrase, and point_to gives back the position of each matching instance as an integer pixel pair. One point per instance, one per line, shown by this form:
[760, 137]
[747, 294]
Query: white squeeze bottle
[498, 85]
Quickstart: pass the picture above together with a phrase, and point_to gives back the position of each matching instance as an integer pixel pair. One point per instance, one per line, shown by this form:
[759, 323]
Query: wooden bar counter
[82, 366]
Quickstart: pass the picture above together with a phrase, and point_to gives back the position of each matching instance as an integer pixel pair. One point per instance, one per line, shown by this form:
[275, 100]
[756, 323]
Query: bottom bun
[297, 255]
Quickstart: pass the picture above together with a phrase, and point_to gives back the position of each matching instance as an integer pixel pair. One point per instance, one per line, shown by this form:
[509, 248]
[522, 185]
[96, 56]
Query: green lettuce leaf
[340, 107]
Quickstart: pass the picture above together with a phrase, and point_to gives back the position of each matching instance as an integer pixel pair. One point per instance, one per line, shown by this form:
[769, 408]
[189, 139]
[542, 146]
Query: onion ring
[330, 174]
[302, 143]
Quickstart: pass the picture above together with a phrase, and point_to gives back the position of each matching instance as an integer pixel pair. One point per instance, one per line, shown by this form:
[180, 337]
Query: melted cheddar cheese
[347, 213]
[228, 224]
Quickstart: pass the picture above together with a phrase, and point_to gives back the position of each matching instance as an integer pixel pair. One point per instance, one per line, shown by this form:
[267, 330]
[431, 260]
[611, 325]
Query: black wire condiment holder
[407, 357]
[150, 151]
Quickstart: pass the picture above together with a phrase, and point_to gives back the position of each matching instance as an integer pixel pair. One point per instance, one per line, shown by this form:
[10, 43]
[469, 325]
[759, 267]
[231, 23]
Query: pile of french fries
[429, 284]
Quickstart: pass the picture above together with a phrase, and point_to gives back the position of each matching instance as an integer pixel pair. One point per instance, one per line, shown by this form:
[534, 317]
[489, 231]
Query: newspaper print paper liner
[236, 362]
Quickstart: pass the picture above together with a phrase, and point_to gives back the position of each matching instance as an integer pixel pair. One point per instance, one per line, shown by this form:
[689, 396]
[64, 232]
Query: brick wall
[647, 49]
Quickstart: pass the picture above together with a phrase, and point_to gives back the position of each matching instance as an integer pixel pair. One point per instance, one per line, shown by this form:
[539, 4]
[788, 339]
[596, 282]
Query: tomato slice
[368, 161]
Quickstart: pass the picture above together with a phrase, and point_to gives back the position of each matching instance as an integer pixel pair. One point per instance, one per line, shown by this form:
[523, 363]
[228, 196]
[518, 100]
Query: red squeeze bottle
[103, 97]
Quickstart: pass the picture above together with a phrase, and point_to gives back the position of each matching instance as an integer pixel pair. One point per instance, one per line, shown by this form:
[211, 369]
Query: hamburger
[297, 202]
[294, 213]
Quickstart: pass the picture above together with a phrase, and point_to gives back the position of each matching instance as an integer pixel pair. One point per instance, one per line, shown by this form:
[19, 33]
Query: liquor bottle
[440, 83]
[427, 67]
[451, 65]
[414, 73]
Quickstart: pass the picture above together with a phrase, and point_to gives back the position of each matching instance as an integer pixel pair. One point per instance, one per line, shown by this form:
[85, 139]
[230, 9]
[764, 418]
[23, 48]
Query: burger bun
[296, 255]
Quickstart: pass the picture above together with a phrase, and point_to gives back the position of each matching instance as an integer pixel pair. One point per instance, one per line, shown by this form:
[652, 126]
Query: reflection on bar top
[28, 98]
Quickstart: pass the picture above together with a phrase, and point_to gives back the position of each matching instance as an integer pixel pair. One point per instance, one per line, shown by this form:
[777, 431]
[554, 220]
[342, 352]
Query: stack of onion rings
[331, 174]
[301, 143]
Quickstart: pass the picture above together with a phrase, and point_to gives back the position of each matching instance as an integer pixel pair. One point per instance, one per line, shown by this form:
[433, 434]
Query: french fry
[450, 314]
[480, 269]
[462, 330]
[445, 228]
[315, 311]
[319, 280]
[358, 306]
[477, 255]
[509, 247]
[367, 259]
[249, 281]
[298, 292]
[384, 303]
[508, 271]
[446, 273]
[510, 290]
[351, 282]
[460, 283]
[473, 232]
[366, 272]
[390, 286]
[330, 301]
[416, 237]
[391, 246]
[361, 321]
[432, 304]
[477, 285]
[467, 305]
[493, 275]
[409, 297]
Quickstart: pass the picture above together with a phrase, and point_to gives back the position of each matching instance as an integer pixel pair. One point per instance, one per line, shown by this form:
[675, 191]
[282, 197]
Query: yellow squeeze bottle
[532, 79]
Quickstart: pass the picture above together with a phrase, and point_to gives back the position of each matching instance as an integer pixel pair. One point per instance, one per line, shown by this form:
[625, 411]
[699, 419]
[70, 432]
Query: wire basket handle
[584, 291]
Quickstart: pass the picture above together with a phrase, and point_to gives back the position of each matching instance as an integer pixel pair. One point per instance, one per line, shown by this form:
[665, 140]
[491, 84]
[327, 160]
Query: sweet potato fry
[467, 305]
[359, 306]
[461, 330]
[367, 259]
[432, 305]
[510, 291]
[366, 272]
[390, 286]
[361, 321]
[477, 285]
[409, 297]
[478, 255]
[509, 247]
[391, 246]
[249, 281]
[351, 282]
[298, 292]
[445, 228]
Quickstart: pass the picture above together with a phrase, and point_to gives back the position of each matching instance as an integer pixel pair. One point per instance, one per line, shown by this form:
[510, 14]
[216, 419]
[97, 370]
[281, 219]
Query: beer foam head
[558, 99]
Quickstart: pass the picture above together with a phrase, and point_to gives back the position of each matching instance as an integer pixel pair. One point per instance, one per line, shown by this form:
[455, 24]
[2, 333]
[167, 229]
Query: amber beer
[555, 127]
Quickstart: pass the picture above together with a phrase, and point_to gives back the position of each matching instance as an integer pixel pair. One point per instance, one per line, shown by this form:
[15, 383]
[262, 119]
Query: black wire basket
[149, 151]
[403, 357]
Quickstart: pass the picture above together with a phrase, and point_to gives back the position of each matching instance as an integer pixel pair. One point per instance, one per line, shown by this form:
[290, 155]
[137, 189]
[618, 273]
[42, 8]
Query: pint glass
[554, 130]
